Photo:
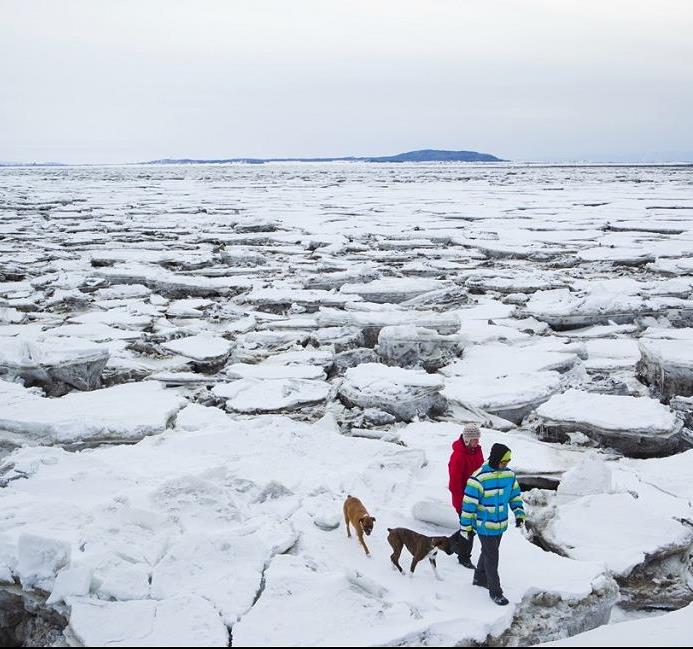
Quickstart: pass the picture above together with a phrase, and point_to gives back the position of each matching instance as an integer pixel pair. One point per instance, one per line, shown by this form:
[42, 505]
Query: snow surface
[152, 515]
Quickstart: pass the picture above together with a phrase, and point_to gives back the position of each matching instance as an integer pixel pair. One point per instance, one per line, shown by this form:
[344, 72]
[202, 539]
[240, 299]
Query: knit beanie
[498, 454]
[470, 432]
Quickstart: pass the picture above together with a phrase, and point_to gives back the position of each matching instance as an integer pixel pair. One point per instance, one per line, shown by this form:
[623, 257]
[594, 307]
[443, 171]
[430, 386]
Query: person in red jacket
[466, 458]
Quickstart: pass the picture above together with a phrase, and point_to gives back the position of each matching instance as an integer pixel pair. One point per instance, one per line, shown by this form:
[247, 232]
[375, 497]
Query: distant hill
[437, 155]
[423, 155]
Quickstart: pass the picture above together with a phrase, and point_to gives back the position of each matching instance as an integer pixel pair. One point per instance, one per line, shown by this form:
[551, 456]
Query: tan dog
[356, 514]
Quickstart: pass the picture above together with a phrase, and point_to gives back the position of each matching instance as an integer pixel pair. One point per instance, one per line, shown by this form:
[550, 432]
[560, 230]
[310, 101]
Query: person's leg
[465, 555]
[491, 567]
[489, 550]
[480, 572]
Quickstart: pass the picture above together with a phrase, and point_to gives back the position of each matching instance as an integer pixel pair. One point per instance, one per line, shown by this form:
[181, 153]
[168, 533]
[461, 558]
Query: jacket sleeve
[516, 503]
[473, 494]
[455, 485]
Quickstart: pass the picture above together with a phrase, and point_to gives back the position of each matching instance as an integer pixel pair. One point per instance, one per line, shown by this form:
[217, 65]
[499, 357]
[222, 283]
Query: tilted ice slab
[607, 354]
[629, 256]
[599, 331]
[304, 297]
[121, 413]
[121, 317]
[140, 255]
[188, 308]
[54, 363]
[9, 315]
[200, 348]
[319, 357]
[599, 302]
[173, 378]
[668, 630]
[392, 290]
[585, 529]
[509, 380]
[96, 332]
[338, 338]
[519, 282]
[335, 280]
[683, 266]
[173, 284]
[242, 256]
[255, 346]
[403, 393]
[274, 371]
[510, 396]
[497, 359]
[410, 346]
[650, 517]
[634, 425]
[271, 395]
[371, 322]
[667, 365]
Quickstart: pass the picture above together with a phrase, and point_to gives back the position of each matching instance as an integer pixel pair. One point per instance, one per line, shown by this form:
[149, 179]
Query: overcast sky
[122, 80]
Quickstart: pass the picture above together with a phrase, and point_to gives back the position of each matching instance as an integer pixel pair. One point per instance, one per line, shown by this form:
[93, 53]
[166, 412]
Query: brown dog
[420, 546]
[356, 514]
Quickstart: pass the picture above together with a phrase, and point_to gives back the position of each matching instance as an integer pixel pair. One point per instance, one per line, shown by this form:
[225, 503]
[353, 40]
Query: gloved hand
[519, 522]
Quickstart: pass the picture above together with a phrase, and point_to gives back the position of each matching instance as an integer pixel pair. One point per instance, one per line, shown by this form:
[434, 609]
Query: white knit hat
[470, 432]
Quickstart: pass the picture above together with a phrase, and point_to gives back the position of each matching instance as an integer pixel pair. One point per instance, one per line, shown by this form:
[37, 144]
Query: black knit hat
[496, 455]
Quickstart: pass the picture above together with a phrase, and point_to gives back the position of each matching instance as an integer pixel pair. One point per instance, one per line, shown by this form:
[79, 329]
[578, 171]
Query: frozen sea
[198, 363]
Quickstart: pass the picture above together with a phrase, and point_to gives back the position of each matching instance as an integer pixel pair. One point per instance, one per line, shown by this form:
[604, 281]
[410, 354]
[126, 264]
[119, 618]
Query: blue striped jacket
[486, 498]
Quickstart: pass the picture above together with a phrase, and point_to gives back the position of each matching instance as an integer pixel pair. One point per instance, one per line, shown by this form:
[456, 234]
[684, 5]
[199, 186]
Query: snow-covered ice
[199, 363]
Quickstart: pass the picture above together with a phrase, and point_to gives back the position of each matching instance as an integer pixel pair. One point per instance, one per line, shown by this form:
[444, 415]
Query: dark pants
[486, 572]
[465, 551]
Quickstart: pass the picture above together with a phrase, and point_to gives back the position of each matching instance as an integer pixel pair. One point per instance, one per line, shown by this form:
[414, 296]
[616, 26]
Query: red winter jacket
[463, 462]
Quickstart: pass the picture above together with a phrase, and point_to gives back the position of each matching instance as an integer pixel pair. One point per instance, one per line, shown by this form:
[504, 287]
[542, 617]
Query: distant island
[423, 155]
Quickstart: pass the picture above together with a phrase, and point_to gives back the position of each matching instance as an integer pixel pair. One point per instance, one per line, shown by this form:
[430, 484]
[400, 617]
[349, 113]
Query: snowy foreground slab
[189, 527]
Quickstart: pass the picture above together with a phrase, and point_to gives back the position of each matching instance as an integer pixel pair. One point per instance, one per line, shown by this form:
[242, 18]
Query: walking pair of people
[482, 492]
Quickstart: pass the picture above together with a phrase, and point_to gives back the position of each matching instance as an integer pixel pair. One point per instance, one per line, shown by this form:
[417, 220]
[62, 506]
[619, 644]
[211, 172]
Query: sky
[123, 81]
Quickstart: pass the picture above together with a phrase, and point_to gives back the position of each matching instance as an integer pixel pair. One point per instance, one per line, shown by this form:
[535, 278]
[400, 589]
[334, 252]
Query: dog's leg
[346, 521]
[432, 559]
[394, 557]
[414, 561]
[363, 543]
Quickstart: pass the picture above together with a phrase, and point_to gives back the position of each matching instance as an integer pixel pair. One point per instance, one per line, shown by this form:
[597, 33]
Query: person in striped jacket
[489, 491]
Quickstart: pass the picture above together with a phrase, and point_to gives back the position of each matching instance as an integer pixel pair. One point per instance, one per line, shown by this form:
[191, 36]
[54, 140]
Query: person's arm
[455, 485]
[516, 504]
[470, 504]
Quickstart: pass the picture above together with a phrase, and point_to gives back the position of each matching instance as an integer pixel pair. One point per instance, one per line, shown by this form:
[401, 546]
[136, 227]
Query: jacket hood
[458, 446]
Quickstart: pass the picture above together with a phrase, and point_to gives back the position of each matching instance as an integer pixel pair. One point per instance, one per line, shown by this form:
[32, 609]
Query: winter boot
[500, 600]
